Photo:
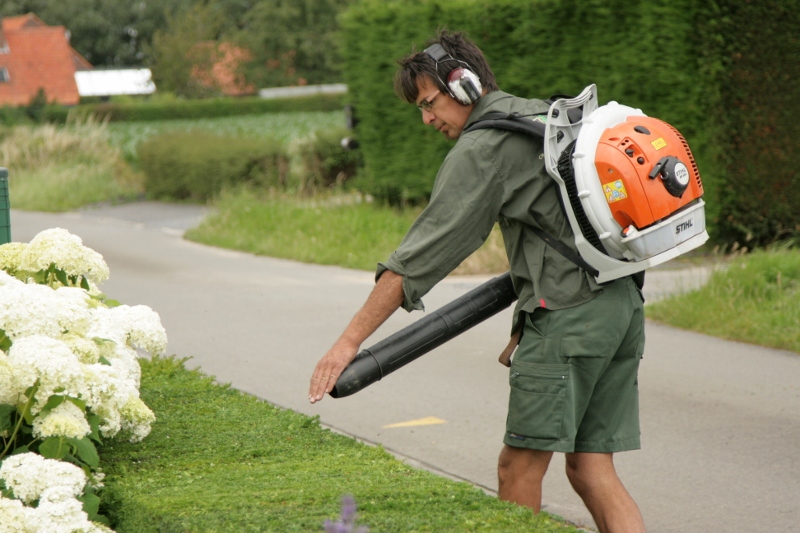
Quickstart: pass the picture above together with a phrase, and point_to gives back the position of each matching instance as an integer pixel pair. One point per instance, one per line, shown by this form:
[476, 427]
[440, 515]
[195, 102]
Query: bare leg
[520, 472]
[595, 479]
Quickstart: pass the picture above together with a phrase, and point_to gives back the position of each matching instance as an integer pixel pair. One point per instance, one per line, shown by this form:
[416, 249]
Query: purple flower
[347, 523]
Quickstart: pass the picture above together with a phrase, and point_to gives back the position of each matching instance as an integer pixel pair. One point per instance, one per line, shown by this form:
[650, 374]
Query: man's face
[440, 110]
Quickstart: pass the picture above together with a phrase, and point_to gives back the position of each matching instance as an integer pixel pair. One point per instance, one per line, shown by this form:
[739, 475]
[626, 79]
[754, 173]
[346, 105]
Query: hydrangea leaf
[94, 423]
[6, 420]
[52, 402]
[86, 451]
[91, 504]
[5, 342]
[53, 448]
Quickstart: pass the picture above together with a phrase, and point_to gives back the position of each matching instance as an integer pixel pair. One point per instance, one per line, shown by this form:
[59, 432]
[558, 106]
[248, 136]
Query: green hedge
[756, 49]
[192, 109]
[197, 165]
[675, 60]
[536, 49]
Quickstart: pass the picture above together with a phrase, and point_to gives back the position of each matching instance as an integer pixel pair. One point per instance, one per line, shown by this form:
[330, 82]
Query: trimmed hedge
[192, 109]
[756, 48]
[196, 165]
[536, 49]
[698, 65]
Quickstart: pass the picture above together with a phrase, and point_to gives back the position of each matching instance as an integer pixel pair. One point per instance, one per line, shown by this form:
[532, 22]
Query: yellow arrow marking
[427, 421]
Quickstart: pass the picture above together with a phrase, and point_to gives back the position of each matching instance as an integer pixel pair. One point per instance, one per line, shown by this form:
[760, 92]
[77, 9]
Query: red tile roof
[37, 56]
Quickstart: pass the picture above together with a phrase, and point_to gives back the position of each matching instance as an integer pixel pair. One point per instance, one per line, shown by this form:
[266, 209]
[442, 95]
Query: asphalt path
[720, 420]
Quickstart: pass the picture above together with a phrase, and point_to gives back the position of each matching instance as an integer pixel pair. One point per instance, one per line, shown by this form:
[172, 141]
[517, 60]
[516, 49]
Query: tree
[292, 41]
[186, 45]
[106, 32]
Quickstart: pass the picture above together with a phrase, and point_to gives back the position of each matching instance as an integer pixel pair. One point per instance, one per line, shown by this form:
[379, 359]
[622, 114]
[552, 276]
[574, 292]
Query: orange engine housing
[626, 153]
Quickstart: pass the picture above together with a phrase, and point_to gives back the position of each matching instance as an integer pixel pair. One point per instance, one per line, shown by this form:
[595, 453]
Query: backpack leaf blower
[632, 195]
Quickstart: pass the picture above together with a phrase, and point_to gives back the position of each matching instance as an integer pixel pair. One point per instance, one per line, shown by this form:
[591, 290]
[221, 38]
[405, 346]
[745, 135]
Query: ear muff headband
[462, 84]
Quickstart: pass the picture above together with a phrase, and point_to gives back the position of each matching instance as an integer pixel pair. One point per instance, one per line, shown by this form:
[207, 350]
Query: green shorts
[574, 376]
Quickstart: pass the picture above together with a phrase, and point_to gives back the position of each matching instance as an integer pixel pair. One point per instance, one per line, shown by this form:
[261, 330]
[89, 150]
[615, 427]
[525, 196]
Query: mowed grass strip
[329, 230]
[756, 299]
[219, 460]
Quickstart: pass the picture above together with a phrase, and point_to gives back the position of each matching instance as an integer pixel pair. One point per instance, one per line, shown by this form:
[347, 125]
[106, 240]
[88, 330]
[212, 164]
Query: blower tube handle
[419, 338]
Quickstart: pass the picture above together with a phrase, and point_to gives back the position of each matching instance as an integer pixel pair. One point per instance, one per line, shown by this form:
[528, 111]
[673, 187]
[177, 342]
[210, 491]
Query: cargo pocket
[537, 400]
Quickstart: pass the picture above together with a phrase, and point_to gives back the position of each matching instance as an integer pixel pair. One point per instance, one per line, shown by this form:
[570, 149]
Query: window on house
[3, 75]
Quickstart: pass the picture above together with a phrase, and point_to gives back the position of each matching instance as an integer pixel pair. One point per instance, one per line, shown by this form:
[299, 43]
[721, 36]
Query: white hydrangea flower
[136, 418]
[15, 517]
[126, 361]
[139, 325]
[110, 419]
[29, 475]
[11, 255]
[8, 388]
[67, 251]
[108, 391]
[6, 278]
[59, 512]
[67, 420]
[86, 350]
[51, 362]
[30, 309]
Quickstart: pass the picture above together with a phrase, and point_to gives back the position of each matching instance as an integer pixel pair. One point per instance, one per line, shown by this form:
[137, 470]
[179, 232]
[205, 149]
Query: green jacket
[494, 176]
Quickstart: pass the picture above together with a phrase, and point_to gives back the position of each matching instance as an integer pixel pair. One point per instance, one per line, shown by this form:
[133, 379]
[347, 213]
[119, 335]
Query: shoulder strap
[536, 128]
[516, 122]
[513, 122]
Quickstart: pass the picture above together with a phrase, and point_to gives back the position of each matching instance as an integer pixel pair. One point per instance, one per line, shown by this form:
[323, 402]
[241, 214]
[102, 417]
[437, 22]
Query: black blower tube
[411, 342]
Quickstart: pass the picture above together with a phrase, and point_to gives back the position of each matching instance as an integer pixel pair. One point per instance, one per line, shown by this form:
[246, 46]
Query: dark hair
[419, 64]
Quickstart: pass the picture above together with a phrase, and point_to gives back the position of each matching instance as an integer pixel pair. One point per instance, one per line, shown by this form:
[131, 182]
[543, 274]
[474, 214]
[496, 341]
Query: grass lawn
[336, 229]
[755, 299]
[219, 460]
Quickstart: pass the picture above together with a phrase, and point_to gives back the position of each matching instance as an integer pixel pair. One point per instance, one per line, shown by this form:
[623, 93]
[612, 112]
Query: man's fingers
[323, 381]
[331, 382]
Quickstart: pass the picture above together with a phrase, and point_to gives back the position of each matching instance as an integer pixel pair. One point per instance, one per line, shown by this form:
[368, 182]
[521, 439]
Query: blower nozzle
[411, 342]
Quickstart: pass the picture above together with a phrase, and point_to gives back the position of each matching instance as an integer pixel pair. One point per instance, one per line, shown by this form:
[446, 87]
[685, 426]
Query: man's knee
[587, 469]
[522, 462]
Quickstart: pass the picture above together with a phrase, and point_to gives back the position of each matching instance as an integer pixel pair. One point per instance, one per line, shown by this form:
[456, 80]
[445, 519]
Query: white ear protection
[462, 84]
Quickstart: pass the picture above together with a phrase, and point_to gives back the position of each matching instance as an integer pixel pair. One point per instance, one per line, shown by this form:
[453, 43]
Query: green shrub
[325, 162]
[197, 165]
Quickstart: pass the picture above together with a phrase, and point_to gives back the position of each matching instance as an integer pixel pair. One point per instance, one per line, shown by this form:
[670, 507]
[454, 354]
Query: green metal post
[5, 208]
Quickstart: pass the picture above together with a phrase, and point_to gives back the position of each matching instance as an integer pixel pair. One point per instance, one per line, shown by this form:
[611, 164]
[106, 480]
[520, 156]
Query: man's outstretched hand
[328, 370]
[385, 298]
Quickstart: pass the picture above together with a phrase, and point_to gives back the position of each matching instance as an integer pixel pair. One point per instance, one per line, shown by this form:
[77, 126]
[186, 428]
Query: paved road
[721, 420]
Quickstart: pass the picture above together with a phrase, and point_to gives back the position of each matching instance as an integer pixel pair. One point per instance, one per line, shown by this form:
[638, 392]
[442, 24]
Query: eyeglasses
[427, 104]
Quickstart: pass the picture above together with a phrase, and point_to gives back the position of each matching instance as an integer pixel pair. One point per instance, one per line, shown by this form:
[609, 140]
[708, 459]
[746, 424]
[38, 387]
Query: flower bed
[69, 378]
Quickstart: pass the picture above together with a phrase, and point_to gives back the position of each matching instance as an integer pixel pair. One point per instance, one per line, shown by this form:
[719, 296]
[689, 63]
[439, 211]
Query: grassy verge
[756, 299]
[336, 230]
[58, 168]
[218, 460]
[330, 230]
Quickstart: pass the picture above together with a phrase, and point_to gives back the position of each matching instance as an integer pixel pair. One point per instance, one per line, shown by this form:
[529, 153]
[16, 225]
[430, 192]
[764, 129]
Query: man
[574, 374]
